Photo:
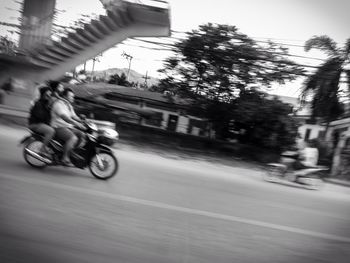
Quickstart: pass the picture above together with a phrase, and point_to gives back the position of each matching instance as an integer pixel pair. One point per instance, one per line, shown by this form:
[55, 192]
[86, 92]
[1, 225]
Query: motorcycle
[309, 177]
[95, 153]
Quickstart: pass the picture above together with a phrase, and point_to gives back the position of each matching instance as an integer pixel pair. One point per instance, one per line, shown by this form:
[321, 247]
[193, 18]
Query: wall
[315, 130]
[343, 124]
[182, 124]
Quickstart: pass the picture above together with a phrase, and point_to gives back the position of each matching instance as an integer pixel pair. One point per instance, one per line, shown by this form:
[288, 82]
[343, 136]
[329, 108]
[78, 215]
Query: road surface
[161, 209]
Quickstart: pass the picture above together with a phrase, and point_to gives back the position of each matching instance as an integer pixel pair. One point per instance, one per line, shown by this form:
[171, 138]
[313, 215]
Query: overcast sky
[284, 21]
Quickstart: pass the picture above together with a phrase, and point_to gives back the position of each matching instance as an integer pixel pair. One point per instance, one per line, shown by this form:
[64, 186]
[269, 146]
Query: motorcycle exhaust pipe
[37, 156]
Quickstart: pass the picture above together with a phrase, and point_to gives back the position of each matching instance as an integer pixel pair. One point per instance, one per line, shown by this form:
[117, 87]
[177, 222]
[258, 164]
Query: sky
[283, 21]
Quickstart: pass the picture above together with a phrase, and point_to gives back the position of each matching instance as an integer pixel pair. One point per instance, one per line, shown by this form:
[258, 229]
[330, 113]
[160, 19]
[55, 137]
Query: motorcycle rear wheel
[110, 166]
[34, 146]
[273, 174]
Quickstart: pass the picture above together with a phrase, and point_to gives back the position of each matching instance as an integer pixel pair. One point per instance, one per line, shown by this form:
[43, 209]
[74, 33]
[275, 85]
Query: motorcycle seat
[35, 133]
[55, 140]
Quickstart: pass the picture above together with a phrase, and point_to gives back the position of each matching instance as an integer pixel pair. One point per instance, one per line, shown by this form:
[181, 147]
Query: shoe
[67, 163]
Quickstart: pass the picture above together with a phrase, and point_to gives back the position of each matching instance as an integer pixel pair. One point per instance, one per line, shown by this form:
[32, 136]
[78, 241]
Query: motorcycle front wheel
[33, 146]
[311, 183]
[103, 165]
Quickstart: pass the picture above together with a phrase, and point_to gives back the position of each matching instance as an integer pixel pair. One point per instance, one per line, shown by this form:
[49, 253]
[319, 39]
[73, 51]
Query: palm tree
[323, 84]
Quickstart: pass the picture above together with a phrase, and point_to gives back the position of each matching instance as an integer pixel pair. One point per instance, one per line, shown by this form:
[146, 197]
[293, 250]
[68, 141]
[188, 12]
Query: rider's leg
[69, 140]
[47, 131]
[81, 137]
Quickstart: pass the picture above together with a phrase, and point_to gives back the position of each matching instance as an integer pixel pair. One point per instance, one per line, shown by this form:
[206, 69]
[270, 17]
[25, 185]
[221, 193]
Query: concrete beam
[101, 26]
[47, 59]
[109, 23]
[87, 35]
[68, 47]
[51, 54]
[79, 38]
[73, 43]
[115, 16]
[59, 50]
[94, 31]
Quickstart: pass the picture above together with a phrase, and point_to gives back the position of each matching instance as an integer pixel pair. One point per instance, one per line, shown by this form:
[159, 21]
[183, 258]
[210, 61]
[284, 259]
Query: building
[144, 107]
[308, 129]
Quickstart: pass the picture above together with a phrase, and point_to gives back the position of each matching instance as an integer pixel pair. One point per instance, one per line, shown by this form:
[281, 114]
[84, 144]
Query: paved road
[164, 210]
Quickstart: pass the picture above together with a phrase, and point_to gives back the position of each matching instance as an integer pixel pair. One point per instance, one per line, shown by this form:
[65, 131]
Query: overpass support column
[37, 18]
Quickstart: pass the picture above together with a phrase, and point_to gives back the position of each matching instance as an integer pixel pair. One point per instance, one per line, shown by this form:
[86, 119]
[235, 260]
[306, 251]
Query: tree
[119, 80]
[7, 46]
[217, 59]
[323, 84]
[216, 63]
[264, 122]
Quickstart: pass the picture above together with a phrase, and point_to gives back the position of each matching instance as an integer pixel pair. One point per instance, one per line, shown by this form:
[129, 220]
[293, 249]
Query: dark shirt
[40, 113]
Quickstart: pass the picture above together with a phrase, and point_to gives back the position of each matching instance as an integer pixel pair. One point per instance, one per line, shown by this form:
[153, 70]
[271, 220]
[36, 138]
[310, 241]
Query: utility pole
[129, 58]
[146, 78]
[93, 67]
[93, 64]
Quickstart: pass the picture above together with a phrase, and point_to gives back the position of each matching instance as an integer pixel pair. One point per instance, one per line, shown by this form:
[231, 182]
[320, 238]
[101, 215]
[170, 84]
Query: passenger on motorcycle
[64, 121]
[40, 117]
[308, 156]
[57, 89]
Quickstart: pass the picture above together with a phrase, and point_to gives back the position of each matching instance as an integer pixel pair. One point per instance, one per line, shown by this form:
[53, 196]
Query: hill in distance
[134, 76]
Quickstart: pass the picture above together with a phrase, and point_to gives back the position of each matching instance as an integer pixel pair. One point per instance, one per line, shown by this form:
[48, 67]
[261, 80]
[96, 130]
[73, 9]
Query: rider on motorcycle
[65, 121]
[308, 156]
[40, 117]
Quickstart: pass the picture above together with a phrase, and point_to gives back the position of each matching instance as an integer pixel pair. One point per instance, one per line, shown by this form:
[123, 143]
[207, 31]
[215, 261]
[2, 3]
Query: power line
[254, 38]
[158, 49]
[241, 55]
[167, 45]
[277, 53]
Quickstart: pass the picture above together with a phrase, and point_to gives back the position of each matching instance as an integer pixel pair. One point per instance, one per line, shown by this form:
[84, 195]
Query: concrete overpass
[41, 59]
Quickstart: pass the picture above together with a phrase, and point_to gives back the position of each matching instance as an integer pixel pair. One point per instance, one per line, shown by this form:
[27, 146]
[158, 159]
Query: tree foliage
[263, 121]
[323, 84]
[119, 80]
[217, 60]
[7, 46]
[217, 67]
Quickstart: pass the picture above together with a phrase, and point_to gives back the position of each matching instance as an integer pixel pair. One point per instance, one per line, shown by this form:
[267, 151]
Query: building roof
[90, 90]
[92, 93]
[300, 110]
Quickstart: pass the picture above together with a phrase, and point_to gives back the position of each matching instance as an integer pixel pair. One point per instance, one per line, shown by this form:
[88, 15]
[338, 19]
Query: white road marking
[180, 209]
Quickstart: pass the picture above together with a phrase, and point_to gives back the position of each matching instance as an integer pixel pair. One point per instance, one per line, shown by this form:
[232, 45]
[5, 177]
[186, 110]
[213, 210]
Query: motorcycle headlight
[92, 126]
[109, 133]
[107, 136]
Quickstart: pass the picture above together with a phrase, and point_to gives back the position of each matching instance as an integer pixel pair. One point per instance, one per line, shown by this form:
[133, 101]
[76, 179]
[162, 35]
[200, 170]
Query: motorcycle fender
[103, 148]
[99, 148]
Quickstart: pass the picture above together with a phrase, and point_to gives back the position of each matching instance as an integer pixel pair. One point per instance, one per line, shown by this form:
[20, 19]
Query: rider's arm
[76, 118]
[63, 112]
[66, 118]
